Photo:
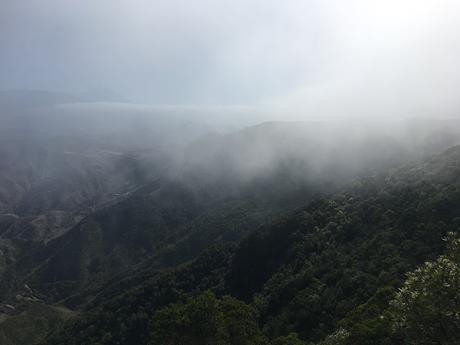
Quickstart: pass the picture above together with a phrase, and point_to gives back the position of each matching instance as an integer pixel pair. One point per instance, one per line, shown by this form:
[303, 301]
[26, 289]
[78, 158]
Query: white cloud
[392, 58]
[317, 58]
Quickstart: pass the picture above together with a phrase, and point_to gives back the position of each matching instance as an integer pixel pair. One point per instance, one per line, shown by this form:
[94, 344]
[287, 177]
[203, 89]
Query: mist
[234, 91]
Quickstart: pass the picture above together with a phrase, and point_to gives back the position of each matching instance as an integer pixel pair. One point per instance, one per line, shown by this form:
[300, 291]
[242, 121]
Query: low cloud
[298, 59]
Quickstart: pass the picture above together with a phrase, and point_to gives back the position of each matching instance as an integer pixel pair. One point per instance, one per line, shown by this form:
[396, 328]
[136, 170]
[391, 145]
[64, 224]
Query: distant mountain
[102, 95]
[27, 98]
[13, 99]
[283, 156]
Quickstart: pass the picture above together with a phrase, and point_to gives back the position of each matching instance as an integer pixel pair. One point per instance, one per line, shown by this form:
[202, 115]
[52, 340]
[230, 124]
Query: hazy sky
[348, 57]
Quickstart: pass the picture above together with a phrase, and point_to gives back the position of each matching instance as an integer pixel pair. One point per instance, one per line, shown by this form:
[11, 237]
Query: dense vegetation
[333, 272]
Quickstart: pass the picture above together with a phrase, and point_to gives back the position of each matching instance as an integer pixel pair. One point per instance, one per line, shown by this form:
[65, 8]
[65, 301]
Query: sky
[299, 58]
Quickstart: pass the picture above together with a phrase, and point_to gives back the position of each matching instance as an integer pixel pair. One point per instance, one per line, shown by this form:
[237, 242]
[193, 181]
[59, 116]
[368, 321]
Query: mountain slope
[306, 271]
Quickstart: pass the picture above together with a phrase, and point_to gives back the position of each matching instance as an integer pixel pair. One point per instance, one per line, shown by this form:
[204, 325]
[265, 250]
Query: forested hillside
[327, 272]
[80, 212]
